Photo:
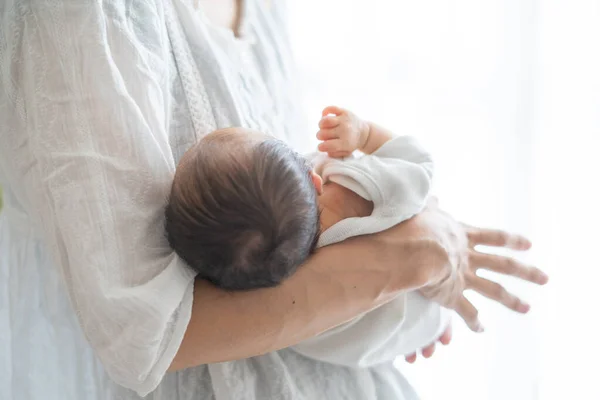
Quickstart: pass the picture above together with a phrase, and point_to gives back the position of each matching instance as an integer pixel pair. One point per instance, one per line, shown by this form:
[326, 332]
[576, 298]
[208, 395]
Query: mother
[98, 101]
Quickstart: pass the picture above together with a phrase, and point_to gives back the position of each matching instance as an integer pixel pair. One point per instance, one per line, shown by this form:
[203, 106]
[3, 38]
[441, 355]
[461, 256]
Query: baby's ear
[317, 181]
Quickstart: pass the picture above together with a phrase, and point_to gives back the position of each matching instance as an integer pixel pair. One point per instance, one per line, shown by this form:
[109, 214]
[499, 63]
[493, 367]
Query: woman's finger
[411, 358]
[469, 314]
[428, 351]
[507, 266]
[497, 238]
[497, 292]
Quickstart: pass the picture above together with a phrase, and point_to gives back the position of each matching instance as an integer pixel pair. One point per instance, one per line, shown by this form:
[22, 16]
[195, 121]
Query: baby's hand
[342, 132]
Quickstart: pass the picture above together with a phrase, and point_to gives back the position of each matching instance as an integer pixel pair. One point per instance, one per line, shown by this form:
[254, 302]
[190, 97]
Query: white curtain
[506, 94]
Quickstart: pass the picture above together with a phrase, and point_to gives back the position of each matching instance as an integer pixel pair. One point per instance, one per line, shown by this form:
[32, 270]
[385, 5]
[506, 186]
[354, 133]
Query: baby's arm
[343, 132]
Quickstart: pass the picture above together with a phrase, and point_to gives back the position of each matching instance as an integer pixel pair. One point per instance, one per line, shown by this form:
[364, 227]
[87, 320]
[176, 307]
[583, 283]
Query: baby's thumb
[332, 110]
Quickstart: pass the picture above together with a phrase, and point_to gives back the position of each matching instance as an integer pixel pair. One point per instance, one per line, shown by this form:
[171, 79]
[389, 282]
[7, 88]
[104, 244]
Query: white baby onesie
[397, 179]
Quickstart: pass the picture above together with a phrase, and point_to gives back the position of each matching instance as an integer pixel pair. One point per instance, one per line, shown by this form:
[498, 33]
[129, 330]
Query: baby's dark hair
[243, 210]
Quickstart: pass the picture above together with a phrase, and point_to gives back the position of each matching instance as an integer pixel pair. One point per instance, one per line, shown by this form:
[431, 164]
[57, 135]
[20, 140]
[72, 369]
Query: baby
[246, 211]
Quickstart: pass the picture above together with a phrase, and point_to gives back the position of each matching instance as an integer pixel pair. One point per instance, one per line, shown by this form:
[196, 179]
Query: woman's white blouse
[98, 101]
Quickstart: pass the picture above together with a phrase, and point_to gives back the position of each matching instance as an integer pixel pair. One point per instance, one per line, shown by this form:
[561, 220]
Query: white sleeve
[397, 177]
[85, 150]
[403, 171]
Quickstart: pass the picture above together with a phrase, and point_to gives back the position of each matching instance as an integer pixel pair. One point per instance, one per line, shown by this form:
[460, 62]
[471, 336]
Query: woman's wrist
[425, 258]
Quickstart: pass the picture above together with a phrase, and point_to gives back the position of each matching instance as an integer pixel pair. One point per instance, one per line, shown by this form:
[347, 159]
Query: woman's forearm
[336, 284]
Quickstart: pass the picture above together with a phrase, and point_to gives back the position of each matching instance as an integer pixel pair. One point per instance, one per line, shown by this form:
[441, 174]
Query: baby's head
[243, 209]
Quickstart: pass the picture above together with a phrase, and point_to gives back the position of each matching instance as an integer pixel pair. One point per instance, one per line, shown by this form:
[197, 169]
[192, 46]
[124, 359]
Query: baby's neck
[338, 203]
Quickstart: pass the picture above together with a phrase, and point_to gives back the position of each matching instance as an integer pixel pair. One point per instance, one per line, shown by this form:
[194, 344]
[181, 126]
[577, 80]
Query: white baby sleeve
[397, 178]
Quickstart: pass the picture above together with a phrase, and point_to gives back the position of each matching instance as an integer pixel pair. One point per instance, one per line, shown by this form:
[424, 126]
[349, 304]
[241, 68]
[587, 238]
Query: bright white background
[506, 95]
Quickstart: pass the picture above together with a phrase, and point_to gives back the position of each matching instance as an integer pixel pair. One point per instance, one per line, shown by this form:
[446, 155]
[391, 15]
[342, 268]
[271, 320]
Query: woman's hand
[460, 274]
[340, 282]
[428, 351]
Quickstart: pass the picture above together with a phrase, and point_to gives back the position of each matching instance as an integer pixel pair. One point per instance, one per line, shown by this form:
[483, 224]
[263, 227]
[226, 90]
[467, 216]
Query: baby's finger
[469, 314]
[497, 292]
[329, 122]
[411, 358]
[327, 134]
[508, 266]
[428, 351]
[330, 146]
[332, 110]
[446, 336]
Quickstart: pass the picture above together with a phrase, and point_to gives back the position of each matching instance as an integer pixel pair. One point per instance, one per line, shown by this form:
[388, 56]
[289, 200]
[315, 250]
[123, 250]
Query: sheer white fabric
[98, 101]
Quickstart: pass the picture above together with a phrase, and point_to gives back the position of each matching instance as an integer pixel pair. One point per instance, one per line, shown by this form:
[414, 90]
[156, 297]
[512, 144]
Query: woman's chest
[218, 80]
